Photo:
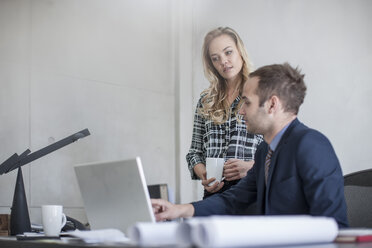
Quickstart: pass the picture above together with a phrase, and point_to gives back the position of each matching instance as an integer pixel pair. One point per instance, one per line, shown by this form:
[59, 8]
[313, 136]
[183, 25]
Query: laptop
[114, 193]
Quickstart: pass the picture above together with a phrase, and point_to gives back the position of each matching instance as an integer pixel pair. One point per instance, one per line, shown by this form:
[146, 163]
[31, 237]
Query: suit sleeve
[320, 172]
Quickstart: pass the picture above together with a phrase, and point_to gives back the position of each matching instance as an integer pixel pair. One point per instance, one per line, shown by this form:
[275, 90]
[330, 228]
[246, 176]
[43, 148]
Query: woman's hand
[236, 169]
[200, 170]
[214, 187]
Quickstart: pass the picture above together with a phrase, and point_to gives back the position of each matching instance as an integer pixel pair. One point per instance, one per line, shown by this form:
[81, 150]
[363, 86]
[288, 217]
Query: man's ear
[273, 104]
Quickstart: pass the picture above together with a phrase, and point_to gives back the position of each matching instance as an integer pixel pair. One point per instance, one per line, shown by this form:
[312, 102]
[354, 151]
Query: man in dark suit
[296, 170]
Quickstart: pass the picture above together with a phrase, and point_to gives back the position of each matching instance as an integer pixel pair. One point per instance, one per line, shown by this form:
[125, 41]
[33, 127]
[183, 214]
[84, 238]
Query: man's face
[256, 117]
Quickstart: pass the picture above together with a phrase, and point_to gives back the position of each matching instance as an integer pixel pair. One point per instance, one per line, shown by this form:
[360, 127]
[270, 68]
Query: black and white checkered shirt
[228, 140]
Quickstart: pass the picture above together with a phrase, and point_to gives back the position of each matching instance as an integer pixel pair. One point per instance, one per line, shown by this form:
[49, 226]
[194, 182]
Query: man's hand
[236, 169]
[165, 210]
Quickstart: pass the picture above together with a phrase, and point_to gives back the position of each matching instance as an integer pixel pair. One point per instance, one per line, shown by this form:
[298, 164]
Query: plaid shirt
[228, 140]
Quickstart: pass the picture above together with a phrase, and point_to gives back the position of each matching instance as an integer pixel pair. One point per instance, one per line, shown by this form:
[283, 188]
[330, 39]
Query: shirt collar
[278, 137]
[236, 101]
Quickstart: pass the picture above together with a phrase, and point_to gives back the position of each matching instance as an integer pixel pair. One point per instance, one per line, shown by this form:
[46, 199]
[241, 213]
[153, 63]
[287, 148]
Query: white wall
[75, 64]
[131, 72]
[330, 40]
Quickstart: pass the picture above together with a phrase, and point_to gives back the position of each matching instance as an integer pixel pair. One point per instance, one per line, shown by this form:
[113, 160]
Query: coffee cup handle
[64, 220]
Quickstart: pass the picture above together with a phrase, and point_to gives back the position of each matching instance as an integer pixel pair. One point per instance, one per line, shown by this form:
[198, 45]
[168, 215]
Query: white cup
[53, 219]
[214, 169]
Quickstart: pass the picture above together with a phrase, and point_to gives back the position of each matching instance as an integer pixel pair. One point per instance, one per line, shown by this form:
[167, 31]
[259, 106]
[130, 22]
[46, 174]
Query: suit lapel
[282, 143]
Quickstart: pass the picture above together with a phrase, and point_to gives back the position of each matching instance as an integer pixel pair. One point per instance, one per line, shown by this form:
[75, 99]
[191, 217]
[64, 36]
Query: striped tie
[267, 163]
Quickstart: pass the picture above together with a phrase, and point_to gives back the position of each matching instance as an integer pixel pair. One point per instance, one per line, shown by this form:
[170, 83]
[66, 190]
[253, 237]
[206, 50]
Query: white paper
[236, 231]
[233, 231]
[100, 236]
[150, 234]
[185, 231]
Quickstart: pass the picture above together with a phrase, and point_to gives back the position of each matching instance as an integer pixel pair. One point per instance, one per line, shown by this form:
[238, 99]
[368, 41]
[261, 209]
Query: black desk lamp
[19, 217]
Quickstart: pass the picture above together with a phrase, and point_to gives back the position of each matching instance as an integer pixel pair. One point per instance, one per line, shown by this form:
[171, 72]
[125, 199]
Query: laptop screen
[114, 193]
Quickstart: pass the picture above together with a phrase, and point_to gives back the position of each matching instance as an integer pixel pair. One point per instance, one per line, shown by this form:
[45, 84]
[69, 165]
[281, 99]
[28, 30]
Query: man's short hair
[282, 81]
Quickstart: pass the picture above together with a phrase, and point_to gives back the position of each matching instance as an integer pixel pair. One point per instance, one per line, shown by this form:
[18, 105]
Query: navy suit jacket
[305, 177]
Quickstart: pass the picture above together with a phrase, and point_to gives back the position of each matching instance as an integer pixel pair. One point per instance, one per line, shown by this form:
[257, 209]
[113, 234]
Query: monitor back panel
[115, 194]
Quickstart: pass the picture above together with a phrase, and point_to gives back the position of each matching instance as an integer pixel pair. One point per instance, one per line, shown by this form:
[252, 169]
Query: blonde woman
[217, 131]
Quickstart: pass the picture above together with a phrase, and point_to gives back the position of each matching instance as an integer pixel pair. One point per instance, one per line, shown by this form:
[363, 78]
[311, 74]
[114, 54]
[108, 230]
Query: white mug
[53, 219]
[214, 169]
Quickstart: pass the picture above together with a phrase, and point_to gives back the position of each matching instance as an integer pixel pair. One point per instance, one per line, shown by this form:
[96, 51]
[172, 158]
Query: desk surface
[11, 242]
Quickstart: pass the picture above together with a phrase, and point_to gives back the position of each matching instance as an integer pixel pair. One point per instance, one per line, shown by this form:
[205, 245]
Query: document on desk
[354, 235]
[235, 231]
[100, 236]
[227, 231]
[150, 234]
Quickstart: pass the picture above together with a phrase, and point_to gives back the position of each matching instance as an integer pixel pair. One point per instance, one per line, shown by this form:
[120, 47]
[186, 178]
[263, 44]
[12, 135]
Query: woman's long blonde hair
[215, 105]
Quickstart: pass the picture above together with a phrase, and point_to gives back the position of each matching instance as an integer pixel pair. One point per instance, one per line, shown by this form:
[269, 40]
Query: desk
[11, 242]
